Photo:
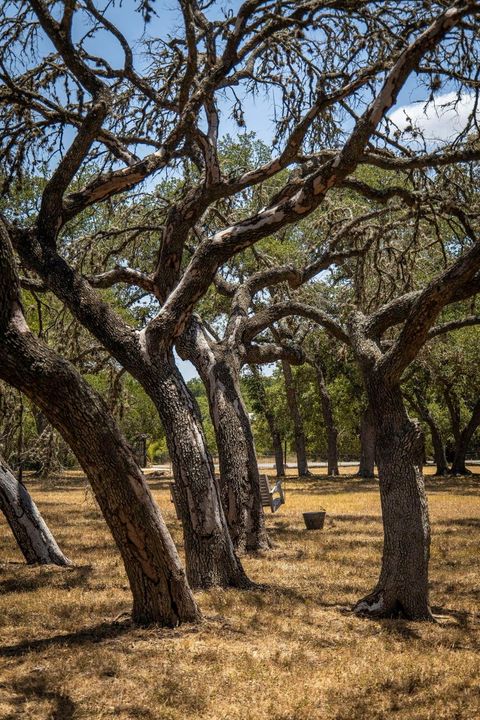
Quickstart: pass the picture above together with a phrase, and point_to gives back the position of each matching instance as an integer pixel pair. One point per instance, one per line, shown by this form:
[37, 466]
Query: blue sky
[258, 113]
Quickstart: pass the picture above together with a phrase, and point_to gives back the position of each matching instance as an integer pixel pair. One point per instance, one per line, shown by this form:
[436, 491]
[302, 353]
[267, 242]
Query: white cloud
[440, 120]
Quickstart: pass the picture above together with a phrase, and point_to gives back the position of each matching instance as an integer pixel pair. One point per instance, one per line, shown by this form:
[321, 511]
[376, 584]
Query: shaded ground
[290, 650]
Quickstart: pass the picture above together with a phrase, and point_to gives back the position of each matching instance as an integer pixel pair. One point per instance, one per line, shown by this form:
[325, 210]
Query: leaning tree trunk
[239, 476]
[403, 584]
[209, 552]
[367, 445]
[30, 530]
[299, 433]
[157, 580]
[329, 420]
[461, 446]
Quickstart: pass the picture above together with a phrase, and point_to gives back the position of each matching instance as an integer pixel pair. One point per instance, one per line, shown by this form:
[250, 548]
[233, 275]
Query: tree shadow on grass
[355, 518]
[86, 636]
[460, 618]
[35, 687]
[294, 596]
[461, 522]
[397, 628]
[282, 530]
[329, 486]
[33, 577]
[463, 485]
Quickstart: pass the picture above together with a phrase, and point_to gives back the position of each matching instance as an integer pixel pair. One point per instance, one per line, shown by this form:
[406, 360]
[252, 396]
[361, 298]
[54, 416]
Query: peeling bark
[30, 530]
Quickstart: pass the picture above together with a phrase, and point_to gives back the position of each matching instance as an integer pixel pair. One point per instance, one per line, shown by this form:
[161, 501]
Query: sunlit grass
[289, 650]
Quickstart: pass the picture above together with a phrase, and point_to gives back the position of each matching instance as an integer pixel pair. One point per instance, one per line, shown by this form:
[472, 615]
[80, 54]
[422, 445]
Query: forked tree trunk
[157, 580]
[209, 551]
[299, 433]
[239, 478]
[151, 363]
[30, 530]
[367, 445]
[403, 584]
[329, 421]
[461, 446]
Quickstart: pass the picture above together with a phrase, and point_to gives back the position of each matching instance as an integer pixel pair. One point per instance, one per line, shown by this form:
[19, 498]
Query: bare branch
[264, 318]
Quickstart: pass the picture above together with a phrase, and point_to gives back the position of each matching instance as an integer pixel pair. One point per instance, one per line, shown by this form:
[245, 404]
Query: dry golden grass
[290, 650]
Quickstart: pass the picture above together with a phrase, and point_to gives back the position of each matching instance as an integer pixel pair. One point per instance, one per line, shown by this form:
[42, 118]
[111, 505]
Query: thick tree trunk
[239, 477]
[30, 530]
[299, 433]
[461, 446]
[210, 555]
[157, 580]
[329, 421]
[367, 445]
[403, 584]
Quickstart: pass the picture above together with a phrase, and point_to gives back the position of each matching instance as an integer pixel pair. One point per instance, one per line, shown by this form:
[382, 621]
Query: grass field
[289, 650]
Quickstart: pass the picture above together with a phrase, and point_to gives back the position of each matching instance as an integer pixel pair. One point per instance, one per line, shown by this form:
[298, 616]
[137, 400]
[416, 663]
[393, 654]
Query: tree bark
[210, 555]
[402, 588]
[367, 445]
[299, 433]
[329, 421]
[463, 441]
[30, 530]
[239, 476]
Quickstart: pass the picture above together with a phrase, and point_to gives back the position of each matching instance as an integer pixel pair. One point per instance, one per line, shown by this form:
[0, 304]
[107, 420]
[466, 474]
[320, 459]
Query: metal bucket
[314, 520]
